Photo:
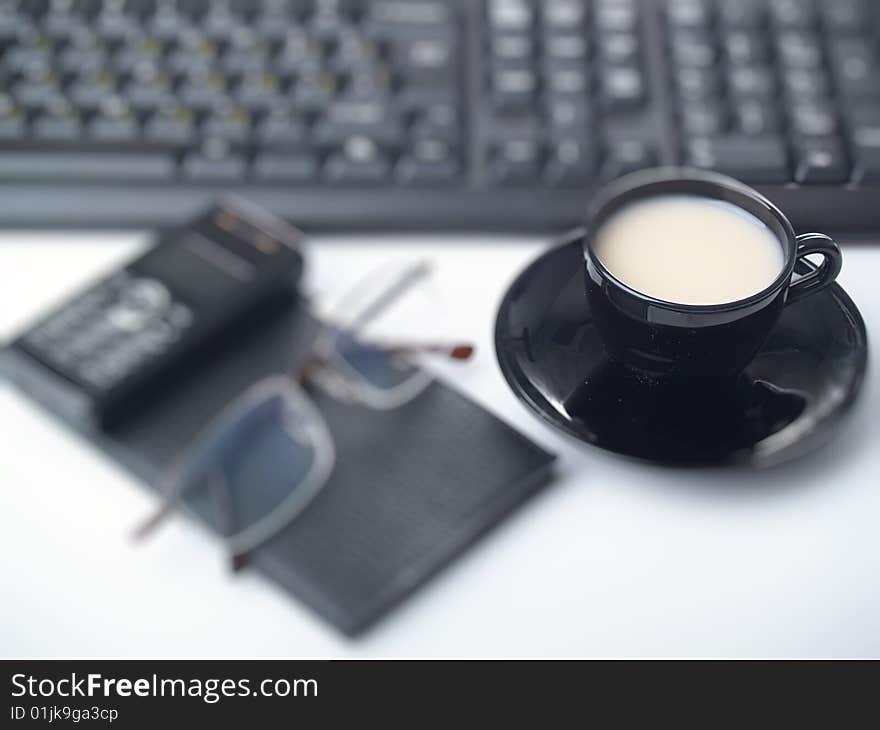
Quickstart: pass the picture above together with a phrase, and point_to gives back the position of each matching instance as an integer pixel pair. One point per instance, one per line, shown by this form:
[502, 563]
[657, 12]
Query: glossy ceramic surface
[666, 338]
[786, 401]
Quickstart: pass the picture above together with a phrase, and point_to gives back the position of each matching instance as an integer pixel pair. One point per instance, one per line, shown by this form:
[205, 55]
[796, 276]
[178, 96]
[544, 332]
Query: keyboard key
[345, 119]
[425, 54]
[272, 22]
[742, 14]
[617, 48]
[563, 14]
[116, 26]
[393, 18]
[342, 171]
[573, 48]
[301, 168]
[864, 114]
[755, 118]
[60, 124]
[299, 54]
[314, 91]
[83, 54]
[280, 130]
[854, 62]
[567, 82]
[513, 89]
[242, 61]
[624, 88]
[799, 83]
[144, 52]
[259, 92]
[512, 47]
[172, 124]
[323, 20]
[415, 172]
[690, 14]
[11, 23]
[232, 124]
[167, 23]
[431, 161]
[820, 161]
[511, 15]
[693, 50]
[800, 14]
[570, 162]
[356, 52]
[12, 119]
[703, 118]
[745, 47]
[38, 92]
[515, 162]
[845, 16]
[432, 150]
[371, 84]
[413, 97]
[615, 15]
[751, 159]
[752, 81]
[360, 161]
[566, 116]
[866, 170]
[800, 50]
[438, 121]
[865, 147]
[865, 143]
[115, 122]
[203, 92]
[34, 53]
[219, 23]
[86, 167]
[813, 119]
[696, 84]
[627, 155]
[150, 92]
[204, 168]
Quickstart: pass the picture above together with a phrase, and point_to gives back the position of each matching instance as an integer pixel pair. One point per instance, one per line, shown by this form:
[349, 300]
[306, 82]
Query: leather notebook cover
[411, 488]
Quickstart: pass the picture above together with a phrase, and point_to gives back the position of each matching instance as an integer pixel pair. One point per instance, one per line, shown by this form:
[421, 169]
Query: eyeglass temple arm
[373, 309]
[170, 500]
[385, 298]
[455, 351]
[155, 520]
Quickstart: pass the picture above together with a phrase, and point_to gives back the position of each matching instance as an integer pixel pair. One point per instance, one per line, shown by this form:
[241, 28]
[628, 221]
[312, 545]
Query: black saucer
[788, 400]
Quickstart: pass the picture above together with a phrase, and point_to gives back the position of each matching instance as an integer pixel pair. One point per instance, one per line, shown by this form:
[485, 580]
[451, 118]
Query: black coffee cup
[662, 338]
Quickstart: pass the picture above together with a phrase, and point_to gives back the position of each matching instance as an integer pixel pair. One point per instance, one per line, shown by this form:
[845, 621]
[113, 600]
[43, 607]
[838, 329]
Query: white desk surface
[615, 559]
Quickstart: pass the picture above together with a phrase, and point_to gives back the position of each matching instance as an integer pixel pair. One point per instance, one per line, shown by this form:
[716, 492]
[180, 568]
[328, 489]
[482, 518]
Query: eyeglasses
[269, 452]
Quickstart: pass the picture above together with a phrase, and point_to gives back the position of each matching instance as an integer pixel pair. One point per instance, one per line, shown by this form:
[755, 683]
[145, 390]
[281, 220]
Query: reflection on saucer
[680, 421]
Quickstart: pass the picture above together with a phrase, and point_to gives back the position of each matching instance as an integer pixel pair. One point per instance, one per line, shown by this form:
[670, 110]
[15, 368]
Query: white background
[616, 558]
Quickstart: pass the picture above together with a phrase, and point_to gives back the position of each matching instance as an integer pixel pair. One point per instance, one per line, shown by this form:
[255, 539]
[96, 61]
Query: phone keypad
[115, 329]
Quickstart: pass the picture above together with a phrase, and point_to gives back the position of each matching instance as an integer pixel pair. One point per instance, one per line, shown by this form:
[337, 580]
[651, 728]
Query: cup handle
[824, 274]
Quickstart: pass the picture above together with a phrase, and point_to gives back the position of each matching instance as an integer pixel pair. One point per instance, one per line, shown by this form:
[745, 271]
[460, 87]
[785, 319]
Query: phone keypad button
[110, 332]
[157, 338]
[147, 294]
[180, 316]
[128, 319]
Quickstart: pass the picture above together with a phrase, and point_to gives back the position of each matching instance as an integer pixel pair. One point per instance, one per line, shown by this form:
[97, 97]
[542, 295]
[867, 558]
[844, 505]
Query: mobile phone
[106, 345]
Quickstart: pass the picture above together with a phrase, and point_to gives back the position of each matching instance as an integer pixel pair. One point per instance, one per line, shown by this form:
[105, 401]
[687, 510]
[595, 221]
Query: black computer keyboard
[384, 114]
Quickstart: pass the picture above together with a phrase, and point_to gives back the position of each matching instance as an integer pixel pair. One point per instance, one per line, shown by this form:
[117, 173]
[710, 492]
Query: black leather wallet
[411, 488]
